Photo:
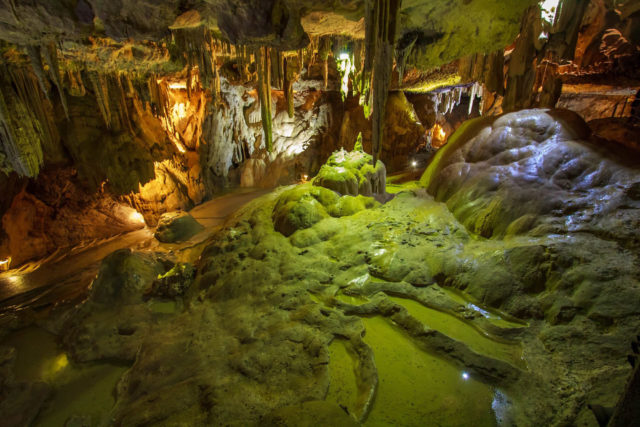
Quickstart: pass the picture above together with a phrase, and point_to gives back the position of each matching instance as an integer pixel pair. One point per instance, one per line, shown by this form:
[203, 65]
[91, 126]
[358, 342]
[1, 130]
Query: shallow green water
[418, 389]
[461, 331]
[497, 318]
[343, 388]
[78, 389]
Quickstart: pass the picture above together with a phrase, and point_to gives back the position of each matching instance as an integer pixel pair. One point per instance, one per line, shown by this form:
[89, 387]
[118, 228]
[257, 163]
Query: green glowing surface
[462, 331]
[499, 319]
[431, 85]
[343, 388]
[78, 389]
[417, 389]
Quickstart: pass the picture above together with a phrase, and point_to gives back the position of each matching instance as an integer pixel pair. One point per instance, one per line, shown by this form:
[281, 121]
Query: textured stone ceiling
[446, 29]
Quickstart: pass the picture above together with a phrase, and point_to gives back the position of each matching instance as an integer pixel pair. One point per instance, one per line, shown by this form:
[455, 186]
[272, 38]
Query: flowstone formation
[353, 173]
[252, 339]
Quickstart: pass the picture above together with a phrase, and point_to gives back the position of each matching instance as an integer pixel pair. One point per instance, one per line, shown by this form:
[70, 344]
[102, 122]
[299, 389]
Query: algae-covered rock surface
[176, 227]
[305, 308]
[352, 173]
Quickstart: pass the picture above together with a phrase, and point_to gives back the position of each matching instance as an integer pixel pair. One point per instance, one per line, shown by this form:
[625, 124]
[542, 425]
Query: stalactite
[189, 79]
[20, 133]
[402, 53]
[50, 55]
[472, 98]
[276, 76]
[385, 33]
[291, 73]
[36, 63]
[264, 93]
[216, 85]
[494, 72]
[28, 91]
[521, 74]
[324, 49]
[197, 48]
[76, 84]
[123, 108]
[102, 96]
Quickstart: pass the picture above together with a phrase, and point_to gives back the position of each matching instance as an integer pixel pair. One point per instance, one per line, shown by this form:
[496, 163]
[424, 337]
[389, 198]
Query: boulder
[177, 226]
[124, 276]
[535, 171]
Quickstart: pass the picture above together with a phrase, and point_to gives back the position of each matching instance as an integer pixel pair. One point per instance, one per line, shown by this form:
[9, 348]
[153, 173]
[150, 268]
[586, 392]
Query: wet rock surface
[248, 340]
[176, 226]
[352, 173]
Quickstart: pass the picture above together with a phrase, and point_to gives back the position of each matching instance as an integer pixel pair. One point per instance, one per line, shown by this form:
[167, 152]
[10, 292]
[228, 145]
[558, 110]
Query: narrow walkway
[65, 275]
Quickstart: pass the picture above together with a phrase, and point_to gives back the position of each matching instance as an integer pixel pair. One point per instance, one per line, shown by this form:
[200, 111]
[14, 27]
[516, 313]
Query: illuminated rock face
[176, 227]
[535, 172]
[352, 173]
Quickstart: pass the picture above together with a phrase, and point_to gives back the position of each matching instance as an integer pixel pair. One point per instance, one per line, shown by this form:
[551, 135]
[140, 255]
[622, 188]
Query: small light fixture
[414, 163]
[5, 264]
[465, 376]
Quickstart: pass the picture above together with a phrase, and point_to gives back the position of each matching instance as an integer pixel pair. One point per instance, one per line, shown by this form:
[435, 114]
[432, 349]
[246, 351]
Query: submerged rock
[177, 226]
[20, 402]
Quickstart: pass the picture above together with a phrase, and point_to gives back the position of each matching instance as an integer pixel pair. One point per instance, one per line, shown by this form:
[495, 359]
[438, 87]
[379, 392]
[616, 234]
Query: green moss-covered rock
[123, 277]
[177, 226]
[305, 205]
[174, 282]
[352, 173]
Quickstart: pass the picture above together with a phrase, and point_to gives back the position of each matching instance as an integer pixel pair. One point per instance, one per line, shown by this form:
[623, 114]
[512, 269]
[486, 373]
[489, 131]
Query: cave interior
[303, 213]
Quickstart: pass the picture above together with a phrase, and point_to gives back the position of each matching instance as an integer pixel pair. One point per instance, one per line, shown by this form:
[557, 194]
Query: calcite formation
[275, 301]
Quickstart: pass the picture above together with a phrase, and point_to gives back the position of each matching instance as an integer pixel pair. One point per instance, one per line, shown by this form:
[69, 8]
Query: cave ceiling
[443, 30]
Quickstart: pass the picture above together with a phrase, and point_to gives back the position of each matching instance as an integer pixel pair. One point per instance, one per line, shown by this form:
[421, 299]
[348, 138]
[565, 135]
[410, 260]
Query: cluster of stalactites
[446, 100]
[27, 125]
[48, 54]
[381, 18]
[198, 49]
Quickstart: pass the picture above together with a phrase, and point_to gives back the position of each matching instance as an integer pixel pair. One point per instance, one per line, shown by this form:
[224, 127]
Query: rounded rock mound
[352, 173]
[536, 172]
[177, 226]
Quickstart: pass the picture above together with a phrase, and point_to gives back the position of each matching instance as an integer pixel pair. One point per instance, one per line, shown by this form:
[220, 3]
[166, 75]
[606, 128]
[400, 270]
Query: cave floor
[66, 274]
[350, 316]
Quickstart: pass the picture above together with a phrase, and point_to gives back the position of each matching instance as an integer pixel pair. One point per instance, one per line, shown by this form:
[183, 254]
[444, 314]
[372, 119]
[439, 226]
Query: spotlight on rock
[136, 217]
[5, 264]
